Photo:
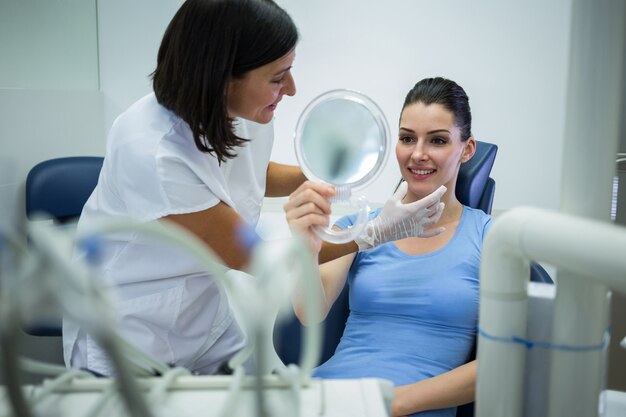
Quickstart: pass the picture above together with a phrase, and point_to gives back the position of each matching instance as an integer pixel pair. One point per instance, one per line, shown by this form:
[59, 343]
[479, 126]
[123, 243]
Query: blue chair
[474, 188]
[58, 189]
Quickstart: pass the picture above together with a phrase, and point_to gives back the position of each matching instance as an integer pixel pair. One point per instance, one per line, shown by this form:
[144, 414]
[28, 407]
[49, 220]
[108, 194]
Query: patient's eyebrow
[428, 133]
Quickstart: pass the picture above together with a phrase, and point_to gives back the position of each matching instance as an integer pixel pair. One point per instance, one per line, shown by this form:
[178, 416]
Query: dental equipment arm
[42, 261]
[450, 389]
[299, 296]
[267, 266]
[81, 299]
[332, 277]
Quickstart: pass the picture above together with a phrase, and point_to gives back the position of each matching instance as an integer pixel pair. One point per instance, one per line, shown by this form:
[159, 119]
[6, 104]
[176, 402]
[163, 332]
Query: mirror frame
[381, 122]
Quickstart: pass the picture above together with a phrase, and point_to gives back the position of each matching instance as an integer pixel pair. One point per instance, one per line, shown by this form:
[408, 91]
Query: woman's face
[430, 150]
[256, 95]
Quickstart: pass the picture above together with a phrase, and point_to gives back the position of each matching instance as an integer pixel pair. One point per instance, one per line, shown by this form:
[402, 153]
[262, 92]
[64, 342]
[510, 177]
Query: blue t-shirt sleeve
[349, 220]
[345, 221]
[486, 226]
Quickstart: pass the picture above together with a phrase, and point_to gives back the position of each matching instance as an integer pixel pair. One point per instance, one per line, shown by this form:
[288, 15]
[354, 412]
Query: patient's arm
[333, 278]
[450, 389]
[331, 251]
[306, 208]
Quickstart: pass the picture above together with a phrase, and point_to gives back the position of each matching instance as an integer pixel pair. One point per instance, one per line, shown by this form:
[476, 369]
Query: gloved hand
[398, 221]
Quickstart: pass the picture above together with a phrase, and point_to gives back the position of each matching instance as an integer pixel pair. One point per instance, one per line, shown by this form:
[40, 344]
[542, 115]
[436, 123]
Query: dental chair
[474, 188]
[58, 189]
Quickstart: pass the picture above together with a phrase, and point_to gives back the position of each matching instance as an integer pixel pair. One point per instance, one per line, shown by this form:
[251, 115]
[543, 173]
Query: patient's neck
[451, 212]
[450, 219]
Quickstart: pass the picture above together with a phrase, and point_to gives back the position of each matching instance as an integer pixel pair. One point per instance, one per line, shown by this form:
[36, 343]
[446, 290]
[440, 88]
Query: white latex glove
[398, 221]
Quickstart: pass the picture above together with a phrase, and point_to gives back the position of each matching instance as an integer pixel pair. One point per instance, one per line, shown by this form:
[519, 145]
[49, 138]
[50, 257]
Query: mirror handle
[349, 233]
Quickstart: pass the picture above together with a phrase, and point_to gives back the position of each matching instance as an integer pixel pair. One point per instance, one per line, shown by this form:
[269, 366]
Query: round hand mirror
[342, 138]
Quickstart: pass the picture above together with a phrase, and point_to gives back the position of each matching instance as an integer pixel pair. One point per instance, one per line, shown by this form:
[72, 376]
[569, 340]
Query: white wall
[129, 35]
[48, 44]
[50, 104]
[511, 57]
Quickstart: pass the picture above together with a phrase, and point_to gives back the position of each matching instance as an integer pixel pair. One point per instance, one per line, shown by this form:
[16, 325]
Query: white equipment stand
[206, 396]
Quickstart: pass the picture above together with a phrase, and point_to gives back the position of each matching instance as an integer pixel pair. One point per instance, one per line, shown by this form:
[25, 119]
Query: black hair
[447, 93]
[207, 43]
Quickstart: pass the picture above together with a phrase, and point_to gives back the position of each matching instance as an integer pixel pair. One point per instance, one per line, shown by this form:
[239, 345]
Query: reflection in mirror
[341, 141]
[342, 138]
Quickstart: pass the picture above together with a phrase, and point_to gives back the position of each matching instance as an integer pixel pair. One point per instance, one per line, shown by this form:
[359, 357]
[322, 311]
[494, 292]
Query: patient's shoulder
[476, 221]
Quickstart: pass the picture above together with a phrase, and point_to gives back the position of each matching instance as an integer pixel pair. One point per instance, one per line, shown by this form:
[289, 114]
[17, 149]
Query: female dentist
[195, 152]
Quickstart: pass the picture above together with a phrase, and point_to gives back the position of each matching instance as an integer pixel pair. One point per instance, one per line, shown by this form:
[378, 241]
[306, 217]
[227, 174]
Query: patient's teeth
[422, 171]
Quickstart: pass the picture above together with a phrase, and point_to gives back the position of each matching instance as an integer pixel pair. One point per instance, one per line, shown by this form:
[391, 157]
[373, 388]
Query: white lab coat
[165, 303]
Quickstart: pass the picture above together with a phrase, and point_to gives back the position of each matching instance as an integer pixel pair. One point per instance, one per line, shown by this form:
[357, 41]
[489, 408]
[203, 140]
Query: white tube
[503, 312]
[591, 248]
[297, 260]
[264, 264]
[581, 317]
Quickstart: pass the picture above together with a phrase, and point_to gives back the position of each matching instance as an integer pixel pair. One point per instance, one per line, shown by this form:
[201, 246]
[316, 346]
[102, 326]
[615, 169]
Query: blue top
[411, 316]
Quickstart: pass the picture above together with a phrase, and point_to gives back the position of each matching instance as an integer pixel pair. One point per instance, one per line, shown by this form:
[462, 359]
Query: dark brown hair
[207, 43]
[447, 93]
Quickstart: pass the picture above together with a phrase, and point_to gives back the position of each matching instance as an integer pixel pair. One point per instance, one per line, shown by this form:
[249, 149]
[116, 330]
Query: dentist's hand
[398, 221]
[309, 206]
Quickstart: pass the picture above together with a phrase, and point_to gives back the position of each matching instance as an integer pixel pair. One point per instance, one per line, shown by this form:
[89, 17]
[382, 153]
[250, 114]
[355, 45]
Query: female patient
[414, 302]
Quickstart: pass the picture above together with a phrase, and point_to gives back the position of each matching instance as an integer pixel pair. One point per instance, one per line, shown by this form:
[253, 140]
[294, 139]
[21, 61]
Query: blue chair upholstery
[486, 200]
[474, 187]
[58, 189]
